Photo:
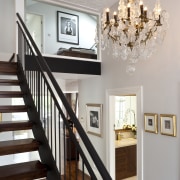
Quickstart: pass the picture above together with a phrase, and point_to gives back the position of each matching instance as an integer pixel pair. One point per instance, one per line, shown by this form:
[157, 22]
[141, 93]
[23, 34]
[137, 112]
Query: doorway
[110, 135]
[34, 24]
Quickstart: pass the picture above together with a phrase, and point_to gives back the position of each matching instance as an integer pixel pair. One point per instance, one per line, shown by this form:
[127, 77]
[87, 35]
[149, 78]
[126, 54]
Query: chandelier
[134, 31]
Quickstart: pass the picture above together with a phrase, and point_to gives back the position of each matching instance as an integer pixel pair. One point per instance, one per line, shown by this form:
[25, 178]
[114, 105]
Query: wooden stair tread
[7, 62]
[18, 146]
[14, 94]
[15, 125]
[10, 82]
[17, 108]
[23, 171]
[7, 68]
[8, 72]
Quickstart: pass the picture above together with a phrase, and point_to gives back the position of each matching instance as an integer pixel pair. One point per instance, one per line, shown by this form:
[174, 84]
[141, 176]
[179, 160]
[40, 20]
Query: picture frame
[94, 119]
[151, 122]
[67, 28]
[168, 124]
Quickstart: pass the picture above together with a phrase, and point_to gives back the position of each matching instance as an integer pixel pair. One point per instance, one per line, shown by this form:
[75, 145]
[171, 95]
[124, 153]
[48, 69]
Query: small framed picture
[94, 119]
[168, 124]
[151, 122]
[67, 28]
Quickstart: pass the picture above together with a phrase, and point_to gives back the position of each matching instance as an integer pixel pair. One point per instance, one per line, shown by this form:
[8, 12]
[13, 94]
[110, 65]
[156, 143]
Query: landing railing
[72, 154]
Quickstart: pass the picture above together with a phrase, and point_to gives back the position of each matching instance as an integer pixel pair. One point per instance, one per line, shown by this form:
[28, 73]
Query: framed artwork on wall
[151, 122]
[67, 28]
[94, 119]
[168, 124]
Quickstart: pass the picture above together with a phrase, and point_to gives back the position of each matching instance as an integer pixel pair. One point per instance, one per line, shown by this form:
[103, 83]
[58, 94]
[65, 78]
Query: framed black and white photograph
[94, 119]
[168, 124]
[67, 28]
[151, 122]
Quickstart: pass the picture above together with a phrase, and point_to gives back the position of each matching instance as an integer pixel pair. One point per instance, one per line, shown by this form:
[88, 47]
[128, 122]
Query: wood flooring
[73, 173]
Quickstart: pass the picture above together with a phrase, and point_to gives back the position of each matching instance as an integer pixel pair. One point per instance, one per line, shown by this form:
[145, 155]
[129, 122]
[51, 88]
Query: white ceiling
[92, 5]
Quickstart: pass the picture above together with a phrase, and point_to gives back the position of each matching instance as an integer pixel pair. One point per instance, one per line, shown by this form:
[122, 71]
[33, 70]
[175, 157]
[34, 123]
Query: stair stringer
[45, 152]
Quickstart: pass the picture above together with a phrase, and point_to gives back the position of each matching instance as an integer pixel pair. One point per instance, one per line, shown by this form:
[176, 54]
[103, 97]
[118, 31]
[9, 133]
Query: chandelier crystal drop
[134, 31]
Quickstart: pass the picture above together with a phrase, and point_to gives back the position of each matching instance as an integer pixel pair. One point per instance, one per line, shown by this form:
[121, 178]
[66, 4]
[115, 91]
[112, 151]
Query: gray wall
[7, 47]
[7, 28]
[159, 77]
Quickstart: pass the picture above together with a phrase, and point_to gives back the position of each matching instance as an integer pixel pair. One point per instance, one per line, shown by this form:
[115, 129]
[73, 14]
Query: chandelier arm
[106, 27]
[113, 38]
[150, 34]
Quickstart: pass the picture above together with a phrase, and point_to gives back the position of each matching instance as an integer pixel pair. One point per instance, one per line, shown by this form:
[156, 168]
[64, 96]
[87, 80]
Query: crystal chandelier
[134, 31]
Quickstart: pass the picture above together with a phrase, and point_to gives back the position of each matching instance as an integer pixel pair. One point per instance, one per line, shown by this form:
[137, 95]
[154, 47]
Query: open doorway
[34, 24]
[110, 134]
[125, 125]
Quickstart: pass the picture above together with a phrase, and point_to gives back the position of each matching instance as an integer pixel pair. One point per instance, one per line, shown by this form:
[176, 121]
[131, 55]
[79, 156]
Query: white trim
[110, 153]
[71, 5]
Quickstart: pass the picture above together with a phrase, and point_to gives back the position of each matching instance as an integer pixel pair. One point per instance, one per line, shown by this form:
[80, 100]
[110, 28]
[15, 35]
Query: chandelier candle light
[134, 31]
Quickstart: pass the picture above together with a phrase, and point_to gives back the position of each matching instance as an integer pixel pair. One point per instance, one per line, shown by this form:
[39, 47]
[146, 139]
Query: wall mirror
[125, 111]
[46, 23]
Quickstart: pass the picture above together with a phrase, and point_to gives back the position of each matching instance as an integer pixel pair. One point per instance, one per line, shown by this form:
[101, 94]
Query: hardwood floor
[73, 173]
[131, 178]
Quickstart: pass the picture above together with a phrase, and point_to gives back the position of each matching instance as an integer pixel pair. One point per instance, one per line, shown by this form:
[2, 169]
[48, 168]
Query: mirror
[125, 111]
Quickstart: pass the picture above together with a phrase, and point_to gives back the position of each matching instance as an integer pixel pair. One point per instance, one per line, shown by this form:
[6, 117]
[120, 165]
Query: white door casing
[110, 135]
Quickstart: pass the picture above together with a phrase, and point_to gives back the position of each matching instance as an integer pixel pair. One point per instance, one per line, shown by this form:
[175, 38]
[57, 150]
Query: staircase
[45, 102]
[26, 170]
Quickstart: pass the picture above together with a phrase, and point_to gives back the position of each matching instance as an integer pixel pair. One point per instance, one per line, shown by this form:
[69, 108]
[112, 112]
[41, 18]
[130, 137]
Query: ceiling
[92, 5]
